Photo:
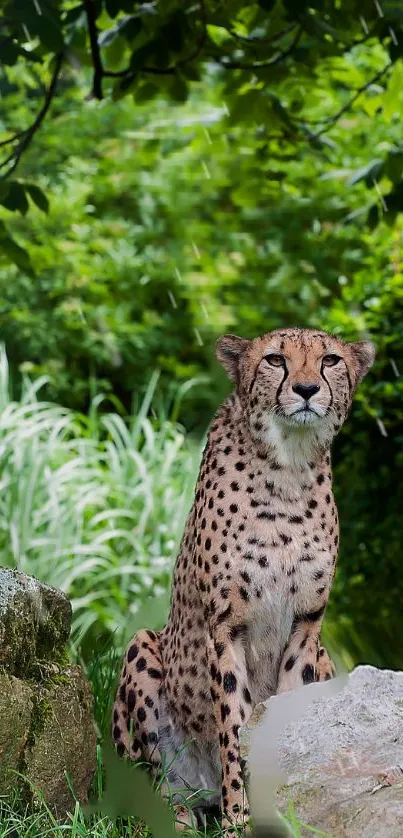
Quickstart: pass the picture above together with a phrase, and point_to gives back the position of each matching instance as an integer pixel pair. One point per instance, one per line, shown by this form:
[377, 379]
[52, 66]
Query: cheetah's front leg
[232, 708]
[325, 666]
[304, 659]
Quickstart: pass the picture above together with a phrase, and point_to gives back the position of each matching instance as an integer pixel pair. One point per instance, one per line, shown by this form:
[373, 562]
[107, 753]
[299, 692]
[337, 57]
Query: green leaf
[74, 14]
[42, 21]
[178, 88]
[145, 92]
[9, 52]
[394, 199]
[280, 111]
[126, 6]
[395, 47]
[267, 5]
[49, 33]
[15, 198]
[390, 216]
[13, 251]
[394, 165]
[175, 32]
[38, 197]
[113, 7]
[252, 106]
[272, 74]
[373, 216]
[272, 174]
[129, 27]
[369, 173]
[114, 54]
[295, 8]
[4, 189]
[140, 56]
[191, 72]
[321, 27]
[124, 86]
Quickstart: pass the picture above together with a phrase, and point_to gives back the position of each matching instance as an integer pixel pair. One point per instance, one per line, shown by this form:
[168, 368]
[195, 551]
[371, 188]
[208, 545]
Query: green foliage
[80, 823]
[368, 455]
[270, 197]
[168, 174]
[164, 226]
[284, 68]
[166, 229]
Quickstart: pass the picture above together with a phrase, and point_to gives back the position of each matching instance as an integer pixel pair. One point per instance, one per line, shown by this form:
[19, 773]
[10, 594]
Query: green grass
[96, 506]
[78, 825]
[92, 504]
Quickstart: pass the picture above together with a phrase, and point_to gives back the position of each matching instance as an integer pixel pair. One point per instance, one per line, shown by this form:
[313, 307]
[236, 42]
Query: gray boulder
[343, 759]
[46, 705]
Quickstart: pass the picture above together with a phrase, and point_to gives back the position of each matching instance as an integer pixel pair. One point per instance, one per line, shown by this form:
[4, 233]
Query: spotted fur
[255, 565]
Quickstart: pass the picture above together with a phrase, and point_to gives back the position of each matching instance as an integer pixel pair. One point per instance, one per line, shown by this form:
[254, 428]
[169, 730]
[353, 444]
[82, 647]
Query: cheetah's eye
[330, 360]
[274, 360]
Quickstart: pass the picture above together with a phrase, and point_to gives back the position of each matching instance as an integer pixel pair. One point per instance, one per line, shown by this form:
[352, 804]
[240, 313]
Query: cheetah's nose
[306, 390]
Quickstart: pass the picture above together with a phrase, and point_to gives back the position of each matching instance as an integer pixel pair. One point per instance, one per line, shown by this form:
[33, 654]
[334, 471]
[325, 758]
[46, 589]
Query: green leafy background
[169, 173]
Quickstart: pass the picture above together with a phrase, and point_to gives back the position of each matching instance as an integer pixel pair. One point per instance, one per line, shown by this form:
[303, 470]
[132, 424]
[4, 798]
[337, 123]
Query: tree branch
[251, 40]
[12, 139]
[28, 135]
[238, 65]
[163, 71]
[99, 73]
[330, 120]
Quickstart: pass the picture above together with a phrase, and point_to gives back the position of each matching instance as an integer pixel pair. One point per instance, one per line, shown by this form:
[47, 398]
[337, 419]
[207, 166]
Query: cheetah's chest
[282, 581]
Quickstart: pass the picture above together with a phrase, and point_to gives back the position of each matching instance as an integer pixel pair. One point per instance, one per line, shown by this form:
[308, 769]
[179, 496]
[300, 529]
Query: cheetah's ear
[229, 349]
[364, 356]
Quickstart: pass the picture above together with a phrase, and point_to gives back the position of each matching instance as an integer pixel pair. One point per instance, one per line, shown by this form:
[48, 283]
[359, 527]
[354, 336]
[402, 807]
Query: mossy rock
[35, 622]
[16, 705]
[62, 742]
[47, 732]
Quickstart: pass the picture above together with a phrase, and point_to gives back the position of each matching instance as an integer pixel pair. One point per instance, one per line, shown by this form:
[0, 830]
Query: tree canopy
[284, 66]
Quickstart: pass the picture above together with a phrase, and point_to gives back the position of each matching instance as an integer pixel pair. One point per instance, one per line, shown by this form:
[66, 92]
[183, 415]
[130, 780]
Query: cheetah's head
[295, 378]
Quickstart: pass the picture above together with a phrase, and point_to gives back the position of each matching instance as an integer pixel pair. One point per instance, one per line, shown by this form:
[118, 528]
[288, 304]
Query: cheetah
[254, 569]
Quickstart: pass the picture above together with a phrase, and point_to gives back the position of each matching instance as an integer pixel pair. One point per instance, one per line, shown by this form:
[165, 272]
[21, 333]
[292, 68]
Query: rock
[35, 622]
[46, 718]
[344, 761]
[16, 704]
[63, 740]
